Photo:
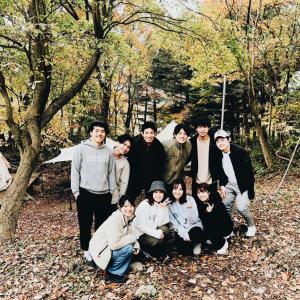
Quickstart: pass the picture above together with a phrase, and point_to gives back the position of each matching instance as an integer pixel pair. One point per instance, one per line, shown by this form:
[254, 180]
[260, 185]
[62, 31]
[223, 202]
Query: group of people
[106, 183]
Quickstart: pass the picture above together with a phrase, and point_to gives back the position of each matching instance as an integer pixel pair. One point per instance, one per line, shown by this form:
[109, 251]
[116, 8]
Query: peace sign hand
[165, 203]
[209, 207]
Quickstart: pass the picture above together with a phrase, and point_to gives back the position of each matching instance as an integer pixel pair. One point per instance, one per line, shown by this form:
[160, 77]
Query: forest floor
[45, 262]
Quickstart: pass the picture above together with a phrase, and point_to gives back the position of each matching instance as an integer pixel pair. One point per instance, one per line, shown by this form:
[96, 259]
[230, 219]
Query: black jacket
[218, 221]
[243, 170]
[214, 168]
[146, 164]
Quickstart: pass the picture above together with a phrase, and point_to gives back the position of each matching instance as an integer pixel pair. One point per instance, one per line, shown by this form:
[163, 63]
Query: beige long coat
[115, 233]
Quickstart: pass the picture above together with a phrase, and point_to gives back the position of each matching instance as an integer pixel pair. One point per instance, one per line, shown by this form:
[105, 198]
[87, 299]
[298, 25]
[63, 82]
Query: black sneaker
[114, 278]
[92, 264]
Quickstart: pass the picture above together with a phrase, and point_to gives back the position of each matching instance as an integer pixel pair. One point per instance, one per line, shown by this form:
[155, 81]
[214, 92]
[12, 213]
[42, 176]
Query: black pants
[156, 247]
[89, 206]
[196, 235]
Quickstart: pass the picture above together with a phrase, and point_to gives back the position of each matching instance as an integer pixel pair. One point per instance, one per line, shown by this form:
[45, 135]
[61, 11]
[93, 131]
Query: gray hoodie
[93, 169]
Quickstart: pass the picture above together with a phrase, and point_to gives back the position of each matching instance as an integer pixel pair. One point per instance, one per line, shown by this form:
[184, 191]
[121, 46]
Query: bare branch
[69, 8]
[63, 99]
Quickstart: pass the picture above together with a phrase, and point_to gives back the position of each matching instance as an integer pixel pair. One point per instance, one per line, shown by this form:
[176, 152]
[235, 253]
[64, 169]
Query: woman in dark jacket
[217, 224]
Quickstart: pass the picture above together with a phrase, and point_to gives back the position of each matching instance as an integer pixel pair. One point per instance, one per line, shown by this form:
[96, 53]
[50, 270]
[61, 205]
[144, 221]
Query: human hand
[222, 191]
[165, 203]
[161, 234]
[209, 207]
[188, 205]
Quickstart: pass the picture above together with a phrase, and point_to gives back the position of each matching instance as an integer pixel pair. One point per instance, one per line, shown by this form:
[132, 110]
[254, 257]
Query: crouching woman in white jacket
[152, 221]
[114, 242]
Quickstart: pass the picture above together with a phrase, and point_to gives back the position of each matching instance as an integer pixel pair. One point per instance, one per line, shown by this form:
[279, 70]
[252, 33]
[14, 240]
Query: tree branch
[63, 99]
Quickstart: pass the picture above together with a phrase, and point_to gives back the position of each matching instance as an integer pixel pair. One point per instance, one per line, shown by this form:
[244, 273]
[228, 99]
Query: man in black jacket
[239, 177]
[204, 168]
[147, 160]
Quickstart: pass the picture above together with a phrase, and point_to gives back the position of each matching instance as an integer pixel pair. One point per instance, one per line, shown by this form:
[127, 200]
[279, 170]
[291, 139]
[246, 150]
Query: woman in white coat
[114, 242]
[152, 221]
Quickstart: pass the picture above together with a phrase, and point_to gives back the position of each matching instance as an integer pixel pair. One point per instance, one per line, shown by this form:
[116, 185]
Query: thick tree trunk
[13, 198]
[267, 153]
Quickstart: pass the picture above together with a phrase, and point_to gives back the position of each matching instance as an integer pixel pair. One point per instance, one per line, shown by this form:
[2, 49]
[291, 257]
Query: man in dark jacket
[239, 177]
[203, 157]
[147, 160]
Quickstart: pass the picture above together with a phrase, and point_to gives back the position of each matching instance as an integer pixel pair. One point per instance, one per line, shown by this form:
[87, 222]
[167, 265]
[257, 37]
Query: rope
[286, 171]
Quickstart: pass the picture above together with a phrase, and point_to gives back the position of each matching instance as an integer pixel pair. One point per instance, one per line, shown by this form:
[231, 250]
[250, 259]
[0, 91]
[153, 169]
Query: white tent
[5, 177]
[167, 132]
[67, 153]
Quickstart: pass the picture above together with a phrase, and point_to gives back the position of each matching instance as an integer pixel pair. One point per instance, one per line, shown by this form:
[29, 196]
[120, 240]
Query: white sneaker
[223, 250]
[251, 231]
[197, 249]
[87, 256]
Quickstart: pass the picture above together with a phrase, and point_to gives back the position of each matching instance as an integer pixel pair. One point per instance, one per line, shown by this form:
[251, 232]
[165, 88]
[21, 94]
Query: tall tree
[33, 34]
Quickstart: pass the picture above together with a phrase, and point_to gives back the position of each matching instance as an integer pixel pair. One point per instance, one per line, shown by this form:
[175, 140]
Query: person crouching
[114, 243]
[217, 224]
[152, 220]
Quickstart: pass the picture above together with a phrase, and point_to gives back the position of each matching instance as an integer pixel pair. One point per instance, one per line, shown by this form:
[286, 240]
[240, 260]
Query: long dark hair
[202, 187]
[175, 184]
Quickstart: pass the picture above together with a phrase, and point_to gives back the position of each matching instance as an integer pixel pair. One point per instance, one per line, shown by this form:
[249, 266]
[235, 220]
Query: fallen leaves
[45, 262]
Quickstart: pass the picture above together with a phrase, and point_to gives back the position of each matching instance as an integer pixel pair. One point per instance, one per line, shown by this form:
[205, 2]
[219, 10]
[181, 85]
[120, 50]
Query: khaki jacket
[113, 234]
[177, 158]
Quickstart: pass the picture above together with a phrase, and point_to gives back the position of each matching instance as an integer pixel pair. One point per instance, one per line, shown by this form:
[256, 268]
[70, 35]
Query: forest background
[64, 63]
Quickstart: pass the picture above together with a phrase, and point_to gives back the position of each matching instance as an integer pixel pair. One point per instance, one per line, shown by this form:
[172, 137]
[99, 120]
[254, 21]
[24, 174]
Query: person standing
[203, 157]
[122, 171]
[147, 160]
[177, 154]
[92, 182]
[239, 178]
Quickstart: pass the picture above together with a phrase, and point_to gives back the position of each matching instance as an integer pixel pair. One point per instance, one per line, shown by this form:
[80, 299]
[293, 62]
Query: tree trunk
[129, 104]
[105, 85]
[13, 198]
[246, 125]
[259, 130]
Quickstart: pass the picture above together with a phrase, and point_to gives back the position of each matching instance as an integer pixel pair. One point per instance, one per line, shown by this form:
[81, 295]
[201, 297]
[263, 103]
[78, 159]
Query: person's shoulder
[116, 218]
[144, 205]
[188, 144]
[238, 149]
[215, 197]
[190, 199]
[193, 138]
[137, 139]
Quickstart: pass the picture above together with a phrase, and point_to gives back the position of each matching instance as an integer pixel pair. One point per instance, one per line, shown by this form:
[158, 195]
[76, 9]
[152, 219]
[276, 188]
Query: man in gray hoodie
[92, 182]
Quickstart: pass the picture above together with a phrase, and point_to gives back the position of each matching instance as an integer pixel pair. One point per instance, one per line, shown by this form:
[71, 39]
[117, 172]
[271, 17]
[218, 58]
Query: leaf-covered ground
[45, 261]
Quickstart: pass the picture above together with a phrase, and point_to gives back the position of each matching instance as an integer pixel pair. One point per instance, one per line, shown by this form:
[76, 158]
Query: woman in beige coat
[114, 242]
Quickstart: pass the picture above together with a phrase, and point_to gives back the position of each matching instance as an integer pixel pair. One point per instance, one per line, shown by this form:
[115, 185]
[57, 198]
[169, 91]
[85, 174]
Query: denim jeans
[120, 260]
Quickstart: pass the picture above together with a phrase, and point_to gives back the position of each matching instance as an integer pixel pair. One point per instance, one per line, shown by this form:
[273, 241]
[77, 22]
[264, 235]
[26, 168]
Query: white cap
[221, 133]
